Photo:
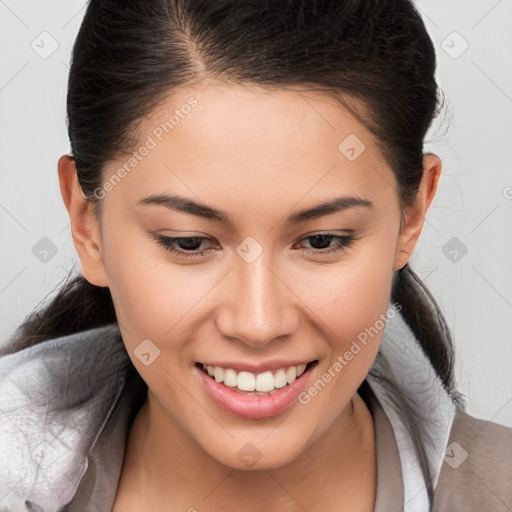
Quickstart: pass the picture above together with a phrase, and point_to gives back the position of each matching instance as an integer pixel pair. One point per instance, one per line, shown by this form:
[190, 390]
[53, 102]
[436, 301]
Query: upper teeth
[263, 382]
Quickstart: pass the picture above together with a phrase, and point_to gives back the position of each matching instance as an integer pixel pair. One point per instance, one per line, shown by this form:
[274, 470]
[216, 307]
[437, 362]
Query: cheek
[350, 300]
[150, 294]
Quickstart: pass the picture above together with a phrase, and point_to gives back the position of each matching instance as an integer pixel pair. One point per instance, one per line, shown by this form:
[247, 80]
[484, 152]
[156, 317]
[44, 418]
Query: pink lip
[253, 406]
[257, 368]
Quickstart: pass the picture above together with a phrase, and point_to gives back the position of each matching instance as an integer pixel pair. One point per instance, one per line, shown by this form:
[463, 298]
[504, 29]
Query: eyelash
[168, 243]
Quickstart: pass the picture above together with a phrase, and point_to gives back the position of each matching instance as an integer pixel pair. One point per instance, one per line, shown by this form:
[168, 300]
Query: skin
[259, 155]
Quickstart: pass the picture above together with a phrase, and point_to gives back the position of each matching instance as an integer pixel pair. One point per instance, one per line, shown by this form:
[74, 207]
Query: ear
[85, 228]
[414, 216]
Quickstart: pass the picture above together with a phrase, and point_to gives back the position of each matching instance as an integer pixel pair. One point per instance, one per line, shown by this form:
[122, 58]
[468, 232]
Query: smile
[254, 395]
[255, 383]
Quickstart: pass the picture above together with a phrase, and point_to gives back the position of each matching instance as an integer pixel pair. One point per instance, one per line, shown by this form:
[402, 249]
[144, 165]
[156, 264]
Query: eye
[323, 239]
[189, 245]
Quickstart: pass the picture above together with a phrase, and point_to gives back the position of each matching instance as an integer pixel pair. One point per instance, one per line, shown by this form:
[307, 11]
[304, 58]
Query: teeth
[230, 378]
[280, 379]
[247, 381]
[218, 373]
[262, 382]
[291, 374]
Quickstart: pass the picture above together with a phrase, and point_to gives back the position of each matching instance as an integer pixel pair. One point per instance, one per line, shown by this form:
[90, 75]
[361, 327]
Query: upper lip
[275, 364]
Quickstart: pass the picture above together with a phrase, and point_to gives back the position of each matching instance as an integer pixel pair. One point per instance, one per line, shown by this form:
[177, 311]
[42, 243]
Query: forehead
[250, 140]
[242, 118]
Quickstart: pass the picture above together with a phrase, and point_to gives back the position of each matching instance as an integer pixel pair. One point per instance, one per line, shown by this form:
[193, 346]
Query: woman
[246, 186]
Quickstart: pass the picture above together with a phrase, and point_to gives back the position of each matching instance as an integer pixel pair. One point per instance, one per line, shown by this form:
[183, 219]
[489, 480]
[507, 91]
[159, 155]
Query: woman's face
[264, 294]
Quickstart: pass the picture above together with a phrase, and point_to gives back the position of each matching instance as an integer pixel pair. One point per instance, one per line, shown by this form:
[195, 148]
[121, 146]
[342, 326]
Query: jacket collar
[55, 398]
[401, 356]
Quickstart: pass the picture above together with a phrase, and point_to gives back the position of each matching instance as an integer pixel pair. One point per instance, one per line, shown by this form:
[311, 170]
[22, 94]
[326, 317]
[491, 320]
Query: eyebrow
[182, 204]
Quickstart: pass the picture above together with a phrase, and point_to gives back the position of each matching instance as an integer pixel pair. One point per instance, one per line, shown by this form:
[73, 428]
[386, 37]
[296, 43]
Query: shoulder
[476, 471]
[55, 398]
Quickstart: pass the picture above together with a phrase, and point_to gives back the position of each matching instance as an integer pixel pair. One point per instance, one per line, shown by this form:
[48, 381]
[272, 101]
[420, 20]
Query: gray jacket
[66, 407]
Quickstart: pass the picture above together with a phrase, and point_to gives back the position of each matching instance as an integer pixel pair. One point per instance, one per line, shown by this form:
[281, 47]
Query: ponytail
[77, 306]
[425, 319]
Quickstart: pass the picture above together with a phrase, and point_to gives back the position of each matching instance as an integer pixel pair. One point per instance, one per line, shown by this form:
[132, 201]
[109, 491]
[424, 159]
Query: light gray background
[473, 203]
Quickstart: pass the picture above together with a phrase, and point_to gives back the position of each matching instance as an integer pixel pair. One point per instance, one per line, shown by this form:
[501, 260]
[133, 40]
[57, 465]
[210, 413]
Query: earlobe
[85, 228]
[415, 214]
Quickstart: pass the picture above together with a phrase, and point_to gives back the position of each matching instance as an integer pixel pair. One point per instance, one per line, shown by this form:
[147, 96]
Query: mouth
[236, 392]
[264, 383]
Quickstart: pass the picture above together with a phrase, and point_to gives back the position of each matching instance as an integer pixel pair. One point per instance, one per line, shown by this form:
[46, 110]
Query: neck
[164, 466]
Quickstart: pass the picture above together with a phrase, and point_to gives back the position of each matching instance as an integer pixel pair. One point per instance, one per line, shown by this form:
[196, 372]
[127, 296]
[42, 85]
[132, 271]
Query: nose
[259, 306]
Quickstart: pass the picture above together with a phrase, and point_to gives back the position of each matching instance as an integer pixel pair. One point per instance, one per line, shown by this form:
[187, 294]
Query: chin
[254, 455]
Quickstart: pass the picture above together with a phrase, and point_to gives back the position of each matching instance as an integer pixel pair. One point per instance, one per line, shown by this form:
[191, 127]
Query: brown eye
[183, 246]
[323, 240]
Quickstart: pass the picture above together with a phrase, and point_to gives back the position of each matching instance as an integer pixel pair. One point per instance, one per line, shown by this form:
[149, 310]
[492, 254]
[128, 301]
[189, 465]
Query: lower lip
[253, 406]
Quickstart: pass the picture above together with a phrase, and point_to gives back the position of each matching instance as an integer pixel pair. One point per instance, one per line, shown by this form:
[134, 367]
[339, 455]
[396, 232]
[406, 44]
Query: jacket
[67, 404]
